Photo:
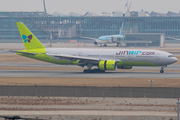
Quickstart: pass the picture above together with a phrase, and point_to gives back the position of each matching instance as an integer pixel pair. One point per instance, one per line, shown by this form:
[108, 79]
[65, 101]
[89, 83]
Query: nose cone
[173, 60]
[176, 59]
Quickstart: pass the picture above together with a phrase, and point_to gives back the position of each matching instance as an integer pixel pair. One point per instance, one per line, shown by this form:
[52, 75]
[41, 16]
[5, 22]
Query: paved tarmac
[51, 65]
[90, 112]
[107, 74]
[2, 52]
[170, 47]
[86, 45]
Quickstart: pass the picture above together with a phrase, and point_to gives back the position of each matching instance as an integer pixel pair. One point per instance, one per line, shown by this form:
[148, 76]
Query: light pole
[151, 82]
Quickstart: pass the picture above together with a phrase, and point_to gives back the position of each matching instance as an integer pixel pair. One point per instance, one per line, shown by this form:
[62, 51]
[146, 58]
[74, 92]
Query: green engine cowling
[108, 65]
[124, 67]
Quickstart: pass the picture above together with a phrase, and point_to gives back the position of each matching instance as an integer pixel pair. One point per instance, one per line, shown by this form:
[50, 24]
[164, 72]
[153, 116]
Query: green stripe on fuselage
[124, 63]
[41, 55]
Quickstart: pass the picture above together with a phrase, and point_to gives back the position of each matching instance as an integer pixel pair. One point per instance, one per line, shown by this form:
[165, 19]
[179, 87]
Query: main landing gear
[104, 45]
[93, 71]
[162, 70]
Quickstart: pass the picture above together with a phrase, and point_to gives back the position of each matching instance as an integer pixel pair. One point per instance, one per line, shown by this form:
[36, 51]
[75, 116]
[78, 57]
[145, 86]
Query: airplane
[11, 117]
[18, 117]
[103, 59]
[108, 39]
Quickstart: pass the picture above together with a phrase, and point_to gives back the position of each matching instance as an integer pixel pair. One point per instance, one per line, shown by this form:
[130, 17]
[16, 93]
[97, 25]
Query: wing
[82, 59]
[95, 39]
[73, 58]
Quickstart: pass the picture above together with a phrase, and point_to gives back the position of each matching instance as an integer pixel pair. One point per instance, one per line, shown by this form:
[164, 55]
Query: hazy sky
[94, 6]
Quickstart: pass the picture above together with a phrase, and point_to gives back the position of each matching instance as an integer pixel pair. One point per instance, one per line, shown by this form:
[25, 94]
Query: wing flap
[73, 58]
[80, 58]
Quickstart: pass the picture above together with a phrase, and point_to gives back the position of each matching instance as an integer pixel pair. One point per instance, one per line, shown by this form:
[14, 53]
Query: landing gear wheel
[98, 71]
[161, 71]
[105, 45]
[94, 71]
[85, 71]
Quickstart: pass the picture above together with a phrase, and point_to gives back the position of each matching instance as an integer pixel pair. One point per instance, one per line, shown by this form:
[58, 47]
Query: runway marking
[113, 77]
[13, 65]
[31, 76]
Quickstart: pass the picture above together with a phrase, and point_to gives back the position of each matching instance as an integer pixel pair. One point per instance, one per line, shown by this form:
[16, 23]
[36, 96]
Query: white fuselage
[157, 57]
[108, 39]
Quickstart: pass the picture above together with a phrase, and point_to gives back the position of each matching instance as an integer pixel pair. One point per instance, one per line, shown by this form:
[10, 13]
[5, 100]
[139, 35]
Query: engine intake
[95, 43]
[108, 65]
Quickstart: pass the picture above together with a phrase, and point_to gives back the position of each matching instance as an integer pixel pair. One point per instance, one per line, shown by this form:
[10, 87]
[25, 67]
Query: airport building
[144, 39]
[68, 27]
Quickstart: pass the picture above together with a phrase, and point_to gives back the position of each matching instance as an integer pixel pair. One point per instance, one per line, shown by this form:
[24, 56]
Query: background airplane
[102, 59]
[18, 117]
[108, 39]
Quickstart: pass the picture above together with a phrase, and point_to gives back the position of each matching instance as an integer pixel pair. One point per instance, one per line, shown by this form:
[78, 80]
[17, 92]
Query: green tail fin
[28, 38]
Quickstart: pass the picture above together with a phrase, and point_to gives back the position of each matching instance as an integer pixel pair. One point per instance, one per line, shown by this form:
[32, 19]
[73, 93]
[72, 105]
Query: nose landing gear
[162, 70]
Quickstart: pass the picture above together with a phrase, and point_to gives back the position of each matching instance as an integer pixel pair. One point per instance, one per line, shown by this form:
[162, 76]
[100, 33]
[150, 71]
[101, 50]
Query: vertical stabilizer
[45, 13]
[28, 38]
[120, 33]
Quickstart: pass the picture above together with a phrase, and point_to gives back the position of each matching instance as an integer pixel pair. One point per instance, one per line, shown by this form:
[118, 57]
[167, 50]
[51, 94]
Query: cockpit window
[170, 55]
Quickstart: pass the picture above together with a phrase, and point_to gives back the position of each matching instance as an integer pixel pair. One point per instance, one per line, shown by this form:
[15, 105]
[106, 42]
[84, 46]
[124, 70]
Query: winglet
[120, 33]
[28, 38]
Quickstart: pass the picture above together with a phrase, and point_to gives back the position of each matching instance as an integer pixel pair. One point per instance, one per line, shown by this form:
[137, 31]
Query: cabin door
[157, 56]
[130, 57]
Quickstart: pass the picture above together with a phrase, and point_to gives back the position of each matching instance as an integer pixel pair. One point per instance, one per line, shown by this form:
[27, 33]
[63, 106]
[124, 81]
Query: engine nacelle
[124, 67]
[108, 65]
[95, 43]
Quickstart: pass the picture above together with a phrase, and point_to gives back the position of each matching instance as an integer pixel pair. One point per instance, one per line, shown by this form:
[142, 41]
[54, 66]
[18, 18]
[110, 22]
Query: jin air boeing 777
[103, 59]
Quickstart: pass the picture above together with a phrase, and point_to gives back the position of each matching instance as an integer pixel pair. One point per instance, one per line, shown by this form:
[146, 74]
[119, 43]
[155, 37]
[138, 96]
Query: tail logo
[27, 38]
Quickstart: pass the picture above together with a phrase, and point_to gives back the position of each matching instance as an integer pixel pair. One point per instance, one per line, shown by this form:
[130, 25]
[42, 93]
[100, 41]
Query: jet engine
[108, 65]
[95, 43]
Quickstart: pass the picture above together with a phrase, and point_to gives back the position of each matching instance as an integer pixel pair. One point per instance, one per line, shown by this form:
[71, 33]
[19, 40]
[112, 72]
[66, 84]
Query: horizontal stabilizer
[16, 51]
